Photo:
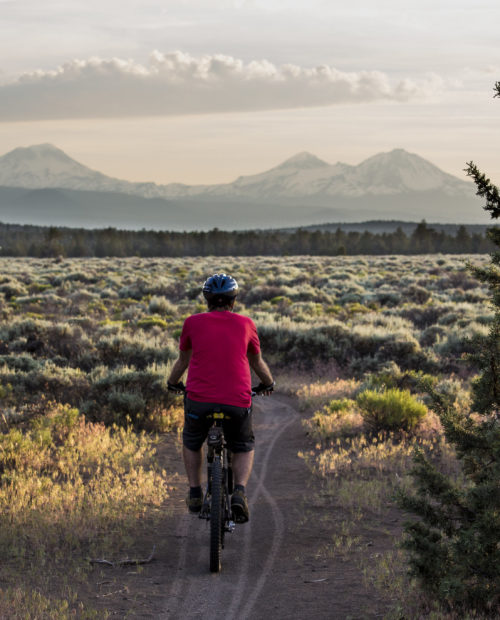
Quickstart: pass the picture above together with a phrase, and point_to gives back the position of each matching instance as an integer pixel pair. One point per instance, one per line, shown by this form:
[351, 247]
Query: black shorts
[238, 429]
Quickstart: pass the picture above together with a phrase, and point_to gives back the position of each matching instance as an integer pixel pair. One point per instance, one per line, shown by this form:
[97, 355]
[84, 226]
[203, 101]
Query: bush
[128, 396]
[390, 410]
[152, 321]
[161, 305]
[417, 294]
[258, 294]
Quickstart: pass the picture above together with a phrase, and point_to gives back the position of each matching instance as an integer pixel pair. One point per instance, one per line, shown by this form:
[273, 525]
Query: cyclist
[219, 347]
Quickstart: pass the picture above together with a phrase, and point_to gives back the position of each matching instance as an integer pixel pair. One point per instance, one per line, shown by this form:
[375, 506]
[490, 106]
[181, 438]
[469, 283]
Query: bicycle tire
[216, 516]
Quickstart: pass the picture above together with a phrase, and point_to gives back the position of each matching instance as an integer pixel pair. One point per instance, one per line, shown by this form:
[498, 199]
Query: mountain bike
[216, 506]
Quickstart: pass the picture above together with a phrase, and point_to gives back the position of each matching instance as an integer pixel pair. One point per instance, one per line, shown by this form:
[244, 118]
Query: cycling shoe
[239, 507]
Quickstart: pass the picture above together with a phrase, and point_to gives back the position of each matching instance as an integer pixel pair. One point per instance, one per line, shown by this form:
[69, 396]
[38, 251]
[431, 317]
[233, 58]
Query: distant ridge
[302, 190]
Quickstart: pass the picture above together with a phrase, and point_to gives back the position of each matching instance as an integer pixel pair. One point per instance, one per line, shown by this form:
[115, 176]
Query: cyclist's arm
[179, 368]
[261, 369]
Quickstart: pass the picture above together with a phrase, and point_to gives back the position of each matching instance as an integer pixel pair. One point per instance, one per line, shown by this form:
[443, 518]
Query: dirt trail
[250, 553]
[272, 567]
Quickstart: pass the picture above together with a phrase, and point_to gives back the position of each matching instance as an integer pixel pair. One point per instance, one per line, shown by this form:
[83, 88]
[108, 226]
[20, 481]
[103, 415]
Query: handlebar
[262, 389]
[258, 390]
[176, 388]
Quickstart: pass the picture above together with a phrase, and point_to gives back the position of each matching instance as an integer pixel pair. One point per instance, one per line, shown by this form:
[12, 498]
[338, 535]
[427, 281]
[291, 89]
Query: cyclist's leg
[193, 462]
[196, 425]
[240, 439]
[242, 464]
[195, 430]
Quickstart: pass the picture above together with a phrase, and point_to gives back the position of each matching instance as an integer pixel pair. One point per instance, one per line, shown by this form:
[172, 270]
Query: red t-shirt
[218, 370]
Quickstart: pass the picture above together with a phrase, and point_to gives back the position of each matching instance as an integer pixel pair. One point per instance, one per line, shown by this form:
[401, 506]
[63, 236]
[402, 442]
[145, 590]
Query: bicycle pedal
[230, 527]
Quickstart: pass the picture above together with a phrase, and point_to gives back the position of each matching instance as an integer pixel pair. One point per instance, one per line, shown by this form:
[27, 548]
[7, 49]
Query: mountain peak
[36, 152]
[46, 147]
[395, 157]
[303, 160]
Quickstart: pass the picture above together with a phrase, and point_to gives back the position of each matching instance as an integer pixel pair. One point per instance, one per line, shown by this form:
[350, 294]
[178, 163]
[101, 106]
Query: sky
[203, 91]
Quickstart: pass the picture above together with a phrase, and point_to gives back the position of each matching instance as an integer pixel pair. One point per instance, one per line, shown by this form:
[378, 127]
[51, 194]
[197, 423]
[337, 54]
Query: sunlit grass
[70, 490]
[359, 473]
[322, 392]
[20, 604]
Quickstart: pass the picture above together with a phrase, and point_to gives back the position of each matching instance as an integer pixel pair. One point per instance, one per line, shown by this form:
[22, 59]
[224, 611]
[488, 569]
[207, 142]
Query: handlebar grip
[261, 388]
[177, 388]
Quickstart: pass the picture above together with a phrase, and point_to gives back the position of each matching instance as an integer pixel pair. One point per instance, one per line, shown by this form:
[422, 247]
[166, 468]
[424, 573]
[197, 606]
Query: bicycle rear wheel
[216, 516]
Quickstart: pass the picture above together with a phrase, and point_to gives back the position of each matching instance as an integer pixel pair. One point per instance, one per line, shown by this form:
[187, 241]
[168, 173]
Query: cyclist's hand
[176, 388]
[262, 389]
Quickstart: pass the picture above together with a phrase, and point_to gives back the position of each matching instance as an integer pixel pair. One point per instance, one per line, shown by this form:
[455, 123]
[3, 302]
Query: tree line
[42, 241]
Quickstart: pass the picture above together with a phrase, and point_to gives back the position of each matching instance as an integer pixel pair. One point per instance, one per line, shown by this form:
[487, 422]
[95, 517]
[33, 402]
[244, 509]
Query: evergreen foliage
[39, 241]
[455, 544]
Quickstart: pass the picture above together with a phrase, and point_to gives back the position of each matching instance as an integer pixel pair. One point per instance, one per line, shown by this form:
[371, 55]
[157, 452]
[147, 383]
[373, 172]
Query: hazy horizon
[181, 92]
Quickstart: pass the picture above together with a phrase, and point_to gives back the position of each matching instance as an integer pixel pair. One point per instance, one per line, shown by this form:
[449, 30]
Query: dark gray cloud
[179, 84]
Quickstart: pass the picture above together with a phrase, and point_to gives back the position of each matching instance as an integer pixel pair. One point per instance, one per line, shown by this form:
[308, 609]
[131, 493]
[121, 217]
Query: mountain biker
[219, 347]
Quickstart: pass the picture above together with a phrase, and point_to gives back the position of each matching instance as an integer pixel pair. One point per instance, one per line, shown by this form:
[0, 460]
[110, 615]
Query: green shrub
[390, 410]
[336, 405]
[152, 321]
[126, 396]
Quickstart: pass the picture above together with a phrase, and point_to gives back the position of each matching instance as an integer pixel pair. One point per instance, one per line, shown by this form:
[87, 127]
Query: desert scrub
[161, 305]
[320, 393]
[127, 396]
[151, 322]
[340, 418]
[50, 380]
[360, 473]
[89, 312]
[390, 409]
[364, 455]
[70, 488]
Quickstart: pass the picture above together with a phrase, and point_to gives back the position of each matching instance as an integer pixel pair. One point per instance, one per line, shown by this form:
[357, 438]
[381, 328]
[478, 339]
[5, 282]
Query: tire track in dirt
[277, 538]
[249, 553]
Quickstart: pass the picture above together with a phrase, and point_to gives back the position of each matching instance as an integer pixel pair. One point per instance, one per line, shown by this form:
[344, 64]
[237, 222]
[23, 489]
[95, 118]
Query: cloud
[177, 83]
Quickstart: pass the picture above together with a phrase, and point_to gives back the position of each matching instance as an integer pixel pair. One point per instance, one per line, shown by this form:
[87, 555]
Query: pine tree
[454, 546]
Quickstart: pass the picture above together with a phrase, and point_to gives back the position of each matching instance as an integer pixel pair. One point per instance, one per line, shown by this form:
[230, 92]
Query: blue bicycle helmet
[220, 289]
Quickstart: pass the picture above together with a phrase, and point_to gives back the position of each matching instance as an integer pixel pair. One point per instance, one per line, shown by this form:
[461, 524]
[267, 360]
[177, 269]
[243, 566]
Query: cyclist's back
[218, 370]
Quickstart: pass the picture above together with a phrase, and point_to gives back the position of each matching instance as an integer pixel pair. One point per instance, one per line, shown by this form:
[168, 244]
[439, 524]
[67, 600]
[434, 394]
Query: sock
[239, 487]
[194, 492]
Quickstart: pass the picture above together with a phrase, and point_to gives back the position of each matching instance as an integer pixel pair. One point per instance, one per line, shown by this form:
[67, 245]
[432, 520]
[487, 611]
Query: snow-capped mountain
[46, 166]
[303, 176]
[42, 185]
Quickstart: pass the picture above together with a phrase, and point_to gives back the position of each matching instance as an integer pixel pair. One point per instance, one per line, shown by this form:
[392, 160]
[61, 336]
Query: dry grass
[320, 393]
[360, 472]
[19, 604]
[69, 490]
